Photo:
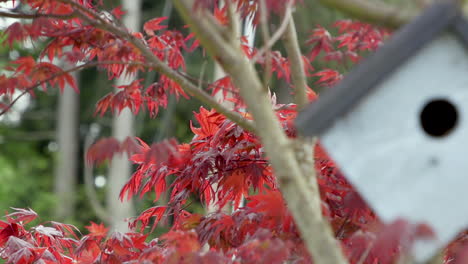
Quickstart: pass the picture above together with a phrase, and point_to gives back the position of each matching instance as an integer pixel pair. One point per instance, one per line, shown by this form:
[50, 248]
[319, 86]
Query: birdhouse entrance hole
[438, 117]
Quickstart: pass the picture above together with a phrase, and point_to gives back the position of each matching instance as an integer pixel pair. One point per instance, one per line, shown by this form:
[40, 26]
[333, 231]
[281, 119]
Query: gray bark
[67, 158]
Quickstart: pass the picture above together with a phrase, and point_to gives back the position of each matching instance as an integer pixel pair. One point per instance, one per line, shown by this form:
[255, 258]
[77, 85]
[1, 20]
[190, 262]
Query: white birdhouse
[397, 125]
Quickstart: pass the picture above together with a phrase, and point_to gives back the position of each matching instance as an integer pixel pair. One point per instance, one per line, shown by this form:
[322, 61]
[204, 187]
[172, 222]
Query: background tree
[68, 151]
[122, 128]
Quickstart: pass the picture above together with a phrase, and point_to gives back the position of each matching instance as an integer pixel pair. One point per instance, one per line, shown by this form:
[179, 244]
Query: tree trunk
[122, 127]
[67, 159]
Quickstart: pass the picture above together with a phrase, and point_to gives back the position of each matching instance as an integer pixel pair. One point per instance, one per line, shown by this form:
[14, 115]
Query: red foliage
[353, 38]
[221, 165]
[96, 230]
[105, 148]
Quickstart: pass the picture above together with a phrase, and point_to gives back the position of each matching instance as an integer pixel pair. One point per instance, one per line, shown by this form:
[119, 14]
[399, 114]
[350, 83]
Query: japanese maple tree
[298, 207]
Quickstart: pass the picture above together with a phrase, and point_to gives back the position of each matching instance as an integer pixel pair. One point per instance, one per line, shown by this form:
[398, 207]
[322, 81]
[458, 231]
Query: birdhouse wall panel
[383, 149]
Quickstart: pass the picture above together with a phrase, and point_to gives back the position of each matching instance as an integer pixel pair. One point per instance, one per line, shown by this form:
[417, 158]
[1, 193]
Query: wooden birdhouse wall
[384, 151]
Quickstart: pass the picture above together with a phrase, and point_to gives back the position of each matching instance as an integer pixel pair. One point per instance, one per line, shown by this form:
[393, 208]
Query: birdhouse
[397, 125]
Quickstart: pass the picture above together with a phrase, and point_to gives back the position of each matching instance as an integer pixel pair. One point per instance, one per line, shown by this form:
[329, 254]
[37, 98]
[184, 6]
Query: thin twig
[36, 15]
[77, 68]
[278, 33]
[159, 65]
[28, 89]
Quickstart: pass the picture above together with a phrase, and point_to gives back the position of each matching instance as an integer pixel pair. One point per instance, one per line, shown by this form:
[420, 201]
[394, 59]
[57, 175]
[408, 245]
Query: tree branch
[372, 11]
[160, 66]
[298, 76]
[277, 35]
[266, 39]
[33, 16]
[304, 147]
[234, 23]
[304, 205]
[73, 69]
[28, 89]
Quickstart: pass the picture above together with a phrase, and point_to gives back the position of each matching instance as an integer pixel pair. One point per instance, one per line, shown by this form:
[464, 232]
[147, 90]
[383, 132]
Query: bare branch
[372, 11]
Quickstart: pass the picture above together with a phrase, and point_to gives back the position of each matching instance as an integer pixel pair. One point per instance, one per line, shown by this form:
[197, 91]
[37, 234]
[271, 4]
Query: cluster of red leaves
[352, 40]
[221, 165]
[83, 44]
[105, 148]
[133, 96]
[351, 43]
[25, 73]
[44, 244]
[221, 154]
[59, 243]
[278, 65]
[263, 231]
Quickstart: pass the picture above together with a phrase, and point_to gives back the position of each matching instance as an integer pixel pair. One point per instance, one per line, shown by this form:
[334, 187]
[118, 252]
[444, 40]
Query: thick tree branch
[298, 76]
[234, 23]
[304, 205]
[372, 11]
[159, 65]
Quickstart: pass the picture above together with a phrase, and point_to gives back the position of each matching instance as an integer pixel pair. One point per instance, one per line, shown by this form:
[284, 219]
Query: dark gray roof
[339, 100]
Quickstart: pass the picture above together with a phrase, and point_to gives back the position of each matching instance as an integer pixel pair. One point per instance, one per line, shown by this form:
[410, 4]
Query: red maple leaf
[96, 230]
[154, 25]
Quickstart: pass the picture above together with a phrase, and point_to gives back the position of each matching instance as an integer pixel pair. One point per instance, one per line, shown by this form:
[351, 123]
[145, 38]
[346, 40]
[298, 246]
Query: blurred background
[43, 137]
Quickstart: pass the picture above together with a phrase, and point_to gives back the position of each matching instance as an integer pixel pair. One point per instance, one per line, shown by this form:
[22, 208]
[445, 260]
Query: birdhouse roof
[339, 100]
